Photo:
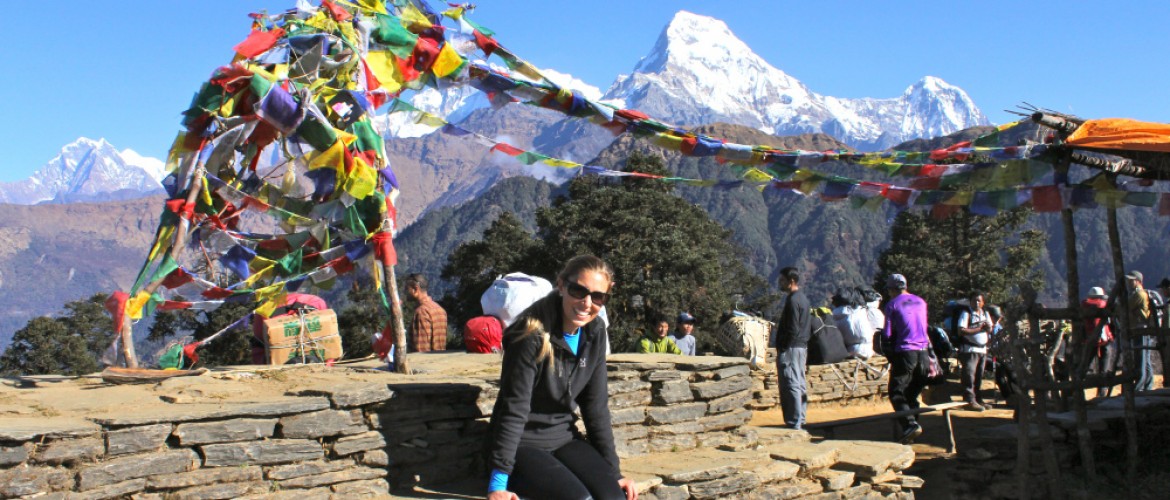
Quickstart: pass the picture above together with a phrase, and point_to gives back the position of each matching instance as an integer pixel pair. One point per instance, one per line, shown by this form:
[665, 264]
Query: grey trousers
[790, 365]
[972, 376]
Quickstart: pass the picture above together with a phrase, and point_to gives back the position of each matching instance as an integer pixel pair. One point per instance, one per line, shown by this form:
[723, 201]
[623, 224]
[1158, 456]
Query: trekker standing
[905, 334]
[793, 330]
[555, 364]
[975, 327]
[1099, 336]
[657, 341]
[1139, 317]
[428, 331]
[853, 322]
[1163, 342]
[684, 333]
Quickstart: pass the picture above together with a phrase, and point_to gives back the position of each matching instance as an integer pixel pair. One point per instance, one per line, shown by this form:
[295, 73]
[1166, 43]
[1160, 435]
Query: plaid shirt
[429, 330]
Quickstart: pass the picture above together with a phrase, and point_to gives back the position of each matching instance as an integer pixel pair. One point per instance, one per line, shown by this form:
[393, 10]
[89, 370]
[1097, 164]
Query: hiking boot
[911, 432]
[973, 406]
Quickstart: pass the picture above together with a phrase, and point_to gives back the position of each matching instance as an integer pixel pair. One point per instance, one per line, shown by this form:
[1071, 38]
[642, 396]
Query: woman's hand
[503, 495]
[627, 486]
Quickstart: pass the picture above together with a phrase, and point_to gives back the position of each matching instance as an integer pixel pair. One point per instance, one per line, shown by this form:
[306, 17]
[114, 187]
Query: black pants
[575, 471]
[907, 378]
[972, 376]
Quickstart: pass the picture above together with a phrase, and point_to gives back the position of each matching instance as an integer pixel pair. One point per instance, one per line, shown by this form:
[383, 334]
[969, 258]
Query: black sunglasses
[579, 292]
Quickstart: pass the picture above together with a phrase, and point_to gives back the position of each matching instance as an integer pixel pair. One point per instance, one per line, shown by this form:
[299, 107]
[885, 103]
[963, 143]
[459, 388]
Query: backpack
[1157, 309]
[951, 312]
[826, 345]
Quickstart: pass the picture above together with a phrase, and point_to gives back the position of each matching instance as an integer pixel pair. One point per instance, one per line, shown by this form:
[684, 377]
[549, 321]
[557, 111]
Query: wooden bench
[830, 427]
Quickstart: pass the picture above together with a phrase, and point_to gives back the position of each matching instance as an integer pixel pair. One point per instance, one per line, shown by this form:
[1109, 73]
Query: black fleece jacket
[536, 401]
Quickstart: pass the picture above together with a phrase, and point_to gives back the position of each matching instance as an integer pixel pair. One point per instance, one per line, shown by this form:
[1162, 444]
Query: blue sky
[125, 70]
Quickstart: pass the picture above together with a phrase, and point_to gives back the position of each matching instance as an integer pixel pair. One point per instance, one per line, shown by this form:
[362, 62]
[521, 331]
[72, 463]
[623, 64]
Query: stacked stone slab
[987, 458]
[787, 464]
[436, 432]
[319, 444]
[844, 382]
[663, 403]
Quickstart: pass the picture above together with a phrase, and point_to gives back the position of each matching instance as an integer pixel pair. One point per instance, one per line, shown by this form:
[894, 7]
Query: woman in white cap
[1099, 335]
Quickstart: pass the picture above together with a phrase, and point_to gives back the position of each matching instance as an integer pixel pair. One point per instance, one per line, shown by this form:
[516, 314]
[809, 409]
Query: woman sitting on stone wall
[554, 360]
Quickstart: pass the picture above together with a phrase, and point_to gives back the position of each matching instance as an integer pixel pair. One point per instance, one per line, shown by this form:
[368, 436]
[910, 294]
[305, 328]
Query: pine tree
[47, 346]
[668, 255]
[947, 258]
[506, 247]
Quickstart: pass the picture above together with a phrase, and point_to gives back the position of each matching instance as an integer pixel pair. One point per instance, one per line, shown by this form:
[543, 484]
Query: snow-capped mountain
[698, 72]
[87, 170]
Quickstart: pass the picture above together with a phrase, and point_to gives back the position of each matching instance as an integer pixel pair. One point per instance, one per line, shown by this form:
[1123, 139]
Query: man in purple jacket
[905, 342]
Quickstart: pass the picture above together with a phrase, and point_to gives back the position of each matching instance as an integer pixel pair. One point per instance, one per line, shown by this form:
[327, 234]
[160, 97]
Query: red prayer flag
[341, 264]
[631, 114]
[336, 11]
[216, 293]
[170, 305]
[258, 42]
[384, 249]
[941, 211]
[898, 196]
[507, 149]
[1047, 199]
[1164, 205]
[116, 305]
[177, 278]
[486, 43]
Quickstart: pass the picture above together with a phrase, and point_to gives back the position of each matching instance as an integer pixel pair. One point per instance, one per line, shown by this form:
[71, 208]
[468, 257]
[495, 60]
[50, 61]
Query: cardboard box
[314, 337]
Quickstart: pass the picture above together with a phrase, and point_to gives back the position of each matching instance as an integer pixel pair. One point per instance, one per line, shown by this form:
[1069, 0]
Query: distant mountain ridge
[700, 73]
[88, 171]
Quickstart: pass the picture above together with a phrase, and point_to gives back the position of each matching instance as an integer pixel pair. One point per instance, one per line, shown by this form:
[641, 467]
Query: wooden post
[1126, 341]
[1039, 369]
[400, 363]
[1078, 348]
[194, 185]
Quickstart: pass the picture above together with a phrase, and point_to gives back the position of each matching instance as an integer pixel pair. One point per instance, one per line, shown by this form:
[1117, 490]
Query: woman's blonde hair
[573, 268]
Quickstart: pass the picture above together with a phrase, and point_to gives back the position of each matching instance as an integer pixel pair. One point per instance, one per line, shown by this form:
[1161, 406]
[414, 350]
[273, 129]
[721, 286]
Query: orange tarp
[1122, 133]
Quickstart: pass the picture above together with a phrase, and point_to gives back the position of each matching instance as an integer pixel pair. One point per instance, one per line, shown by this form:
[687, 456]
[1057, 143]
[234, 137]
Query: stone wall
[345, 433]
[988, 457]
[315, 445]
[841, 383]
[661, 404]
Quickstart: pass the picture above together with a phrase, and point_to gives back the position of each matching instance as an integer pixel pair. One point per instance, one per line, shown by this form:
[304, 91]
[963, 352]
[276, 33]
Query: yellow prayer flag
[334, 157]
[671, 142]
[414, 17]
[260, 275]
[1109, 199]
[557, 162]
[134, 305]
[449, 62]
[454, 13]
[361, 181]
[381, 63]
[807, 187]
[961, 198]
[1102, 183]
[428, 119]
[757, 175]
[165, 235]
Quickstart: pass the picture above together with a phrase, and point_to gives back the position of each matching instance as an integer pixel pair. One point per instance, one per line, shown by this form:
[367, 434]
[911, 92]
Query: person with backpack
[793, 330]
[974, 326]
[905, 334]
[853, 321]
[1163, 342]
[1139, 317]
[1099, 335]
[873, 310]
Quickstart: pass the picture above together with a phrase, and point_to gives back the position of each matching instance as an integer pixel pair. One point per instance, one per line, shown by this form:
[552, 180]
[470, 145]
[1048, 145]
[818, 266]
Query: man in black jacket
[793, 330]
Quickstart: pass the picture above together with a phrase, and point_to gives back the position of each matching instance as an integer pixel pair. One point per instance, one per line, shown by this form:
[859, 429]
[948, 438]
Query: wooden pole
[1047, 450]
[1125, 340]
[1078, 350]
[401, 364]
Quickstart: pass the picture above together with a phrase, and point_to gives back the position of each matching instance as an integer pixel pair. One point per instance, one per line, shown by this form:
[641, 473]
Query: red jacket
[1094, 325]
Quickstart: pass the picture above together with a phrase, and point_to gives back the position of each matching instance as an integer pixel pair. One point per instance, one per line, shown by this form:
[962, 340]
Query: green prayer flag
[390, 32]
